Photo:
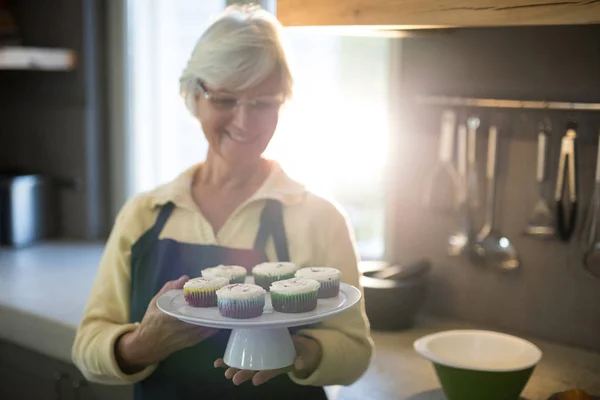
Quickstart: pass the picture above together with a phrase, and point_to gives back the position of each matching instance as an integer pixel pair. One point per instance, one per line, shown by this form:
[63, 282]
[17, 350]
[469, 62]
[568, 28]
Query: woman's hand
[157, 336]
[309, 356]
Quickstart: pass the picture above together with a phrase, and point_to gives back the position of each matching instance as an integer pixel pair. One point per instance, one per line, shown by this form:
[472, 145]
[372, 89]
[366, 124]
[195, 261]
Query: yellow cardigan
[318, 235]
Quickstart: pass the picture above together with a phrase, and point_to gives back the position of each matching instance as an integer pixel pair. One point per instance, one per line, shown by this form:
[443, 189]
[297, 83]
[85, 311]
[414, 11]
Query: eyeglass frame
[253, 103]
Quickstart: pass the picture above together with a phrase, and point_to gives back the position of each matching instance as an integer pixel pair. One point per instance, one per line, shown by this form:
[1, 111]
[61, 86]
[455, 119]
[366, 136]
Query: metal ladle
[492, 248]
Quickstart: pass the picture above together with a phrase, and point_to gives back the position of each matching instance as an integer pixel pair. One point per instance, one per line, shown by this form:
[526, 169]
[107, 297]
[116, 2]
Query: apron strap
[163, 216]
[271, 224]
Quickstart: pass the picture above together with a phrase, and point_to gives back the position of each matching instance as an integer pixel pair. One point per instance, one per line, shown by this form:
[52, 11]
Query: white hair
[240, 49]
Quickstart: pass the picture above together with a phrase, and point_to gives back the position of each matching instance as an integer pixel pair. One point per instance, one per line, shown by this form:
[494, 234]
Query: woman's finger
[242, 376]
[230, 373]
[264, 376]
[300, 363]
[170, 285]
[309, 354]
[302, 344]
[219, 363]
[178, 284]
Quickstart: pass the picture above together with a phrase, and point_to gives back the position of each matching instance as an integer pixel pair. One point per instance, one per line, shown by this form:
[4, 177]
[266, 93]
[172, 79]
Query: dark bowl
[393, 304]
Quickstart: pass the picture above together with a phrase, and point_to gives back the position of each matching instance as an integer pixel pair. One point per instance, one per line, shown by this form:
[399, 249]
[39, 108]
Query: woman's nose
[241, 117]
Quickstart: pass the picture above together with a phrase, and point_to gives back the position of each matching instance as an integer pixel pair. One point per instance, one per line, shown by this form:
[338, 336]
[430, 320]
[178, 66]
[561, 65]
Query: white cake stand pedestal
[259, 349]
[260, 343]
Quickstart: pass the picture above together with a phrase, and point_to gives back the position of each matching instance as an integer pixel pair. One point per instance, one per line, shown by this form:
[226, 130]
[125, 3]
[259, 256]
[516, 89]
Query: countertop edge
[24, 329]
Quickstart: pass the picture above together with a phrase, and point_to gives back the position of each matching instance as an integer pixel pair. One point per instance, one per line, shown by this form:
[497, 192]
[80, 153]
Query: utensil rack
[501, 103]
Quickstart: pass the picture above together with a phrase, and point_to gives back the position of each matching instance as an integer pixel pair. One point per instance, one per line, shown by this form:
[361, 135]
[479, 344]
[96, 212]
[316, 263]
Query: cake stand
[260, 343]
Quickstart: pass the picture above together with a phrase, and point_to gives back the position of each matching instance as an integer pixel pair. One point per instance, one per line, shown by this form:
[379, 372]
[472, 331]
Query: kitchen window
[332, 136]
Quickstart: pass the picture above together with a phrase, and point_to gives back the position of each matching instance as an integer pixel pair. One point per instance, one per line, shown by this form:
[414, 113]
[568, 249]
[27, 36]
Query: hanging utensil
[472, 175]
[589, 236]
[458, 241]
[441, 192]
[590, 228]
[492, 248]
[541, 222]
[567, 164]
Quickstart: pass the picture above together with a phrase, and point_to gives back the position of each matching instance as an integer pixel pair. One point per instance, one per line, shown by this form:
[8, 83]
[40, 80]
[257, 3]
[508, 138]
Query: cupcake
[269, 272]
[329, 278]
[234, 273]
[241, 300]
[294, 295]
[202, 292]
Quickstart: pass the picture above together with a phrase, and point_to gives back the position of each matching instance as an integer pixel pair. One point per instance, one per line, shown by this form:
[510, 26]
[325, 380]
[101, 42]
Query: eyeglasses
[229, 103]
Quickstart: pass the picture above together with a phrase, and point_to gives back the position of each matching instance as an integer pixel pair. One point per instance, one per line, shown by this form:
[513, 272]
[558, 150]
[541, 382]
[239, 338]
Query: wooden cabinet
[412, 14]
[26, 375]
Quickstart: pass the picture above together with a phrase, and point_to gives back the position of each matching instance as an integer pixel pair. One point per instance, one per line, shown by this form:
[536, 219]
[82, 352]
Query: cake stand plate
[263, 342]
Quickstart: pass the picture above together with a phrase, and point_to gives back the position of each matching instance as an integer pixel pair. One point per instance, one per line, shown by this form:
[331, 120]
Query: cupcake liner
[329, 289]
[241, 308]
[237, 279]
[197, 298]
[294, 303]
[265, 281]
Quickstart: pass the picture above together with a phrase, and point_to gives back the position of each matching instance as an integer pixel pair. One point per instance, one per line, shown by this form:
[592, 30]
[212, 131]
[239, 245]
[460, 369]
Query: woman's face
[239, 126]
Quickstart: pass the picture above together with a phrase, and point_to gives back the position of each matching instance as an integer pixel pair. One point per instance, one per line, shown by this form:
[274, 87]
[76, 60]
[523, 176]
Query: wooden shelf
[414, 14]
[502, 103]
[36, 58]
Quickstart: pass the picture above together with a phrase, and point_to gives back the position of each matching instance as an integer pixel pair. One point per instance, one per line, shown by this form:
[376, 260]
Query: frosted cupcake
[269, 272]
[241, 300]
[329, 278]
[202, 292]
[234, 273]
[294, 295]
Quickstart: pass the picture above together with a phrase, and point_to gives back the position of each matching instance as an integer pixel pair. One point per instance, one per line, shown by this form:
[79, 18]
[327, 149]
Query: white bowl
[479, 350]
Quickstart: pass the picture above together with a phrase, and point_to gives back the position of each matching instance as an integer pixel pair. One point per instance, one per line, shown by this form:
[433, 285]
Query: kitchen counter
[43, 291]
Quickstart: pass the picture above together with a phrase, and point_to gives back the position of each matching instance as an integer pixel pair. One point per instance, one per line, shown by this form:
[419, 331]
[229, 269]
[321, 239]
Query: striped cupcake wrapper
[196, 298]
[294, 303]
[264, 281]
[329, 289]
[241, 308]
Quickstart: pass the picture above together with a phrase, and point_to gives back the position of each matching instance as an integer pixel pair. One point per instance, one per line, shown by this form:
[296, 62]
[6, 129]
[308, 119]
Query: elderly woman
[235, 208]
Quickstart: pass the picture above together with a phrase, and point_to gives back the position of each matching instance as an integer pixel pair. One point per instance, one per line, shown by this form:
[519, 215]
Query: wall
[550, 296]
[52, 122]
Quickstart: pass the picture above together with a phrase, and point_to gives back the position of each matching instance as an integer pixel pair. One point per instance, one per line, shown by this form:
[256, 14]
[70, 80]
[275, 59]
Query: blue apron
[189, 373]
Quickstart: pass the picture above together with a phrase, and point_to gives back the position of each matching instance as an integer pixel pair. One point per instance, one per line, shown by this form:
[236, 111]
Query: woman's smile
[241, 138]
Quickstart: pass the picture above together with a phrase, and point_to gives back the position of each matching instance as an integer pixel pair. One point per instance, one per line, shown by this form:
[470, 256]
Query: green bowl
[476, 365]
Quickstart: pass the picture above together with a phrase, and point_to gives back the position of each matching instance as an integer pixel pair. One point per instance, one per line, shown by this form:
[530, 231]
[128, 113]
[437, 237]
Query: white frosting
[224, 271]
[319, 273]
[240, 291]
[275, 268]
[206, 283]
[295, 285]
